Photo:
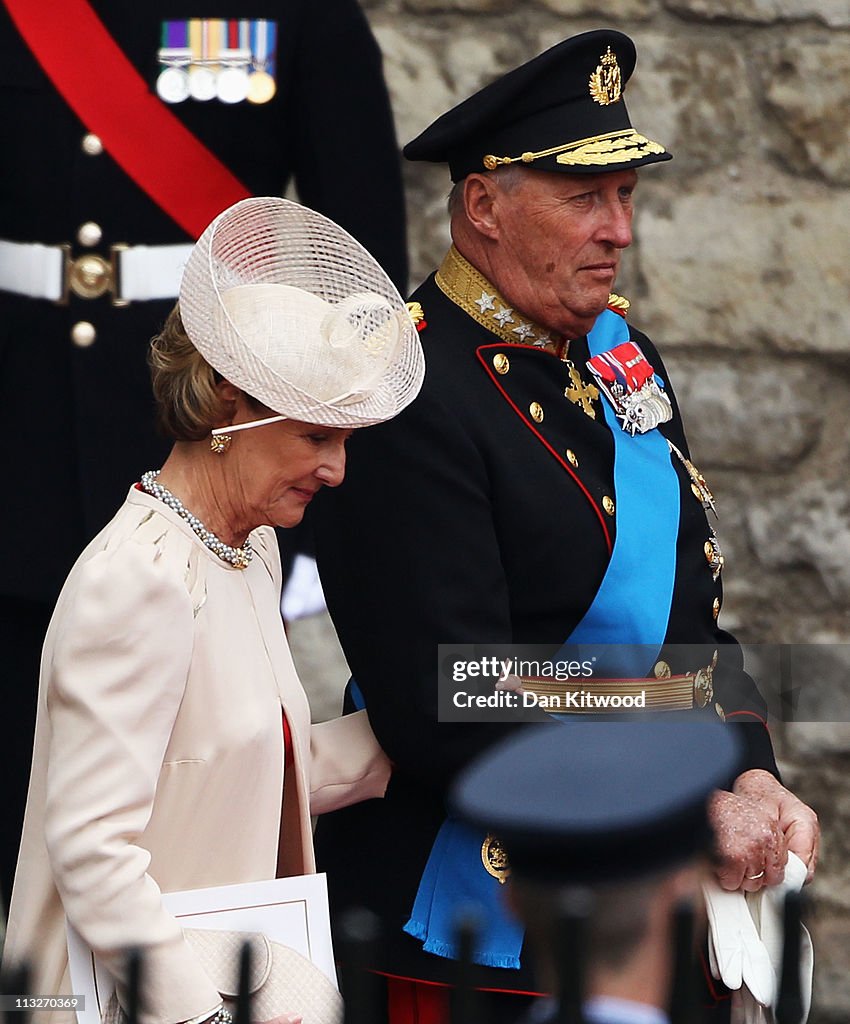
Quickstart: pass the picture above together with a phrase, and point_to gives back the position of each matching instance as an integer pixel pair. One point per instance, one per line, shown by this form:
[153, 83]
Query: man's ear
[479, 195]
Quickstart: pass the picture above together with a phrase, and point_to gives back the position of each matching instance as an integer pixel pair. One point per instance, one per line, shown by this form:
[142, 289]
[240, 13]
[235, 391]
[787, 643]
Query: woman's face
[278, 468]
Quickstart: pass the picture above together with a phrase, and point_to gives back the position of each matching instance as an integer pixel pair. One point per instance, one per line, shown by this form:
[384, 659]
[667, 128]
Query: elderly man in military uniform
[539, 491]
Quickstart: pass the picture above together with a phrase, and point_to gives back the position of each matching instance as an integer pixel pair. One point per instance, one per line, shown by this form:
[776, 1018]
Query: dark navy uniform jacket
[78, 422]
[457, 524]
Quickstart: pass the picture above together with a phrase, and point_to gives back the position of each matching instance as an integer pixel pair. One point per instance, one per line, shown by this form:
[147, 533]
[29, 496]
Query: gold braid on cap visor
[598, 151]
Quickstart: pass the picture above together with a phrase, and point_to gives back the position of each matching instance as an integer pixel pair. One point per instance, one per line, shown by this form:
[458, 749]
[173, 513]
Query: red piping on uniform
[542, 439]
[752, 714]
[709, 981]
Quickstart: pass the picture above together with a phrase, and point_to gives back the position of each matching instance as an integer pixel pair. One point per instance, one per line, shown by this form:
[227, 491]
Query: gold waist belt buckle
[89, 276]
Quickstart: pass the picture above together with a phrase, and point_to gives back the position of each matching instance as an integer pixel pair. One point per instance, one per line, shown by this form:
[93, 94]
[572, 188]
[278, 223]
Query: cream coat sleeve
[346, 763]
[118, 672]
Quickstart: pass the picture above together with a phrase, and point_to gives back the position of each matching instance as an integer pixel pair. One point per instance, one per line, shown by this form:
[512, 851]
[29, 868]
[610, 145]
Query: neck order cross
[580, 393]
[239, 558]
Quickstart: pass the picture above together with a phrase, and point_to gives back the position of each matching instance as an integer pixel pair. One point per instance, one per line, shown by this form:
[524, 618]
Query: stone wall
[740, 271]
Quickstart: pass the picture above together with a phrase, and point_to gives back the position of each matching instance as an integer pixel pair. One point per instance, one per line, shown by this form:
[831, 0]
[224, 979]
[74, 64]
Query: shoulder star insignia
[525, 331]
[504, 316]
[485, 302]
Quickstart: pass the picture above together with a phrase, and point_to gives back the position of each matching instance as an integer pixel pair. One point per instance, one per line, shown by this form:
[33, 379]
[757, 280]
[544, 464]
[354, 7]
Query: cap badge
[606, 84]
[495, 859]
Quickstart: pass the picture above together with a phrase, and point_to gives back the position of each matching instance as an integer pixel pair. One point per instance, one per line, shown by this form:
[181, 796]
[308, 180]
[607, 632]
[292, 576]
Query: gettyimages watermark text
[507, 682]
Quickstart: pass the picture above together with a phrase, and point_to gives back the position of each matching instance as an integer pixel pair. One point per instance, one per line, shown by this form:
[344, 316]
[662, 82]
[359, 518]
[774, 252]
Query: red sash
[148, 142]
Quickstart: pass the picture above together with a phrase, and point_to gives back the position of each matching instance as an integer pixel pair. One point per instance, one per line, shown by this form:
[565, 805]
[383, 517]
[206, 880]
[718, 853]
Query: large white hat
[289, 307]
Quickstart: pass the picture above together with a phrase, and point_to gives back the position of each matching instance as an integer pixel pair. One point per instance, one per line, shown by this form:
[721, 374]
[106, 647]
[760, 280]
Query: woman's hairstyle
[188, 404]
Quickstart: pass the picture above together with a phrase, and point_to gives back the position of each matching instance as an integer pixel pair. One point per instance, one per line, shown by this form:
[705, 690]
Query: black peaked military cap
[562, 111]
[589, 802]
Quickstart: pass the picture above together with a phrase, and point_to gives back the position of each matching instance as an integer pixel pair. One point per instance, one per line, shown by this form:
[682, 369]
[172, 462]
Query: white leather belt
[134, 273]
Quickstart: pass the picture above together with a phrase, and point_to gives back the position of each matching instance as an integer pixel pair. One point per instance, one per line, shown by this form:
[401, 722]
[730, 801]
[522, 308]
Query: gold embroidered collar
[469, 289]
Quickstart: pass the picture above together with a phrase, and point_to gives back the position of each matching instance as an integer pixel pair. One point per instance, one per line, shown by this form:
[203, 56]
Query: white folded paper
[293, 911]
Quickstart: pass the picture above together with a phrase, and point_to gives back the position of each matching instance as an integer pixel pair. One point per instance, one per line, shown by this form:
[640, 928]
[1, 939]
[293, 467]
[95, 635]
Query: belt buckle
[90, 276]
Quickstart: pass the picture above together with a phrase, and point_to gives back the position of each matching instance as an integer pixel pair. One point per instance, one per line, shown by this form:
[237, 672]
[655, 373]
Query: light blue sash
[632, 606]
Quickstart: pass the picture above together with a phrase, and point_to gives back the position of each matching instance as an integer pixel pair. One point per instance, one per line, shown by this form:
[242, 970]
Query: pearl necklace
[239, 558]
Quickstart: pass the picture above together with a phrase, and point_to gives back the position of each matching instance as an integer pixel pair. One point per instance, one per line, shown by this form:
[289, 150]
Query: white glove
[736, 953]
[745, 945]
[767, 910]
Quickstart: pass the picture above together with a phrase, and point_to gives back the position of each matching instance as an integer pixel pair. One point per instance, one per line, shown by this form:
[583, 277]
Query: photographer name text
[575, 700]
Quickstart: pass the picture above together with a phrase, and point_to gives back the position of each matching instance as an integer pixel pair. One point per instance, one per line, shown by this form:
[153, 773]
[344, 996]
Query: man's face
[559, 239]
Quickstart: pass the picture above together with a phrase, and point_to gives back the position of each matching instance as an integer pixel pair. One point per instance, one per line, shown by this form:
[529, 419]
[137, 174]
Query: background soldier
[611, 822]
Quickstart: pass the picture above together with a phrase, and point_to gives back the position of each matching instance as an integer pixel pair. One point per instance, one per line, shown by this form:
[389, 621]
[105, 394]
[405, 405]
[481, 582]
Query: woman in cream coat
[160, 762]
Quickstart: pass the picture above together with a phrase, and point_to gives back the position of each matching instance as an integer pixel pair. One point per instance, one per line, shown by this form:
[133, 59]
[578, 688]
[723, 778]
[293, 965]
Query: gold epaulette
[417, 314]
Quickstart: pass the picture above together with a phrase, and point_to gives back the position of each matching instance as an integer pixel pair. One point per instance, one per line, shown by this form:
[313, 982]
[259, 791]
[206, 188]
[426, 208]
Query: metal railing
[359, 936]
